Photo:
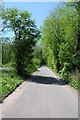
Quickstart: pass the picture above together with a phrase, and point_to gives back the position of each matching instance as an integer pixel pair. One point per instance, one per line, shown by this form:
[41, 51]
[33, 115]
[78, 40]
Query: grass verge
[71, 79]
[9, 81]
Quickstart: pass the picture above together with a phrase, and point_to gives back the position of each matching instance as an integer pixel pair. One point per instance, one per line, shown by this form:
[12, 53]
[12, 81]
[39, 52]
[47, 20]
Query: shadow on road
[46, 80]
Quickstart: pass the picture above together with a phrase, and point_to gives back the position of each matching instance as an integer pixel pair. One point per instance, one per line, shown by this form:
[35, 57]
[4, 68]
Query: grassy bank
[71, 79]
[9, 81]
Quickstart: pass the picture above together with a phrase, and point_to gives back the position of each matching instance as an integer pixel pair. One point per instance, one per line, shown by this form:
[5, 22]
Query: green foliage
[26, 36]
[38, 59]
[64, 72]
[59, 48]
[9, 82]
[74, 83]
[60, 38]
[36, 62]
[0, 52]
[7, 51]
[18, 53]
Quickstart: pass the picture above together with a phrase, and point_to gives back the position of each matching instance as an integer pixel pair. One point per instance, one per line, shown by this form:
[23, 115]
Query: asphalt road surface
[44, 96]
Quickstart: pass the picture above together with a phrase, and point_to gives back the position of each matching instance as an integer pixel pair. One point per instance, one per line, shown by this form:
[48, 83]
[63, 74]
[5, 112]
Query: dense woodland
[57, 44]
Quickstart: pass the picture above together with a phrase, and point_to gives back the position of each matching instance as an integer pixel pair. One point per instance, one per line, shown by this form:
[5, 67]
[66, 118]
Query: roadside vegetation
[59, 46]
[61, 42]
[10, 80]
[18, 53]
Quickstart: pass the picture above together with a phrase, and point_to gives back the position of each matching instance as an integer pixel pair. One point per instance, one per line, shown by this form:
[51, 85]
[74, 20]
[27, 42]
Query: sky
[39, 10]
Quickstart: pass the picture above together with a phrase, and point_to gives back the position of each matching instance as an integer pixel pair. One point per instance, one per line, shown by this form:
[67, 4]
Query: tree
[26, 36]
[51, 38]
[7, 50]
[60, 37]
[76, 5]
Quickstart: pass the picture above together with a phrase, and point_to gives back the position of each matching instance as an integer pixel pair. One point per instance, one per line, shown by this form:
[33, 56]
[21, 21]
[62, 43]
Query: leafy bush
[36, 62]
[74, 83]
[65, 72]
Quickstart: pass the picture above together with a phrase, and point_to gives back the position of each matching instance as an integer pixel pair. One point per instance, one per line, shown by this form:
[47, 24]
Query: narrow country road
[44, 96]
